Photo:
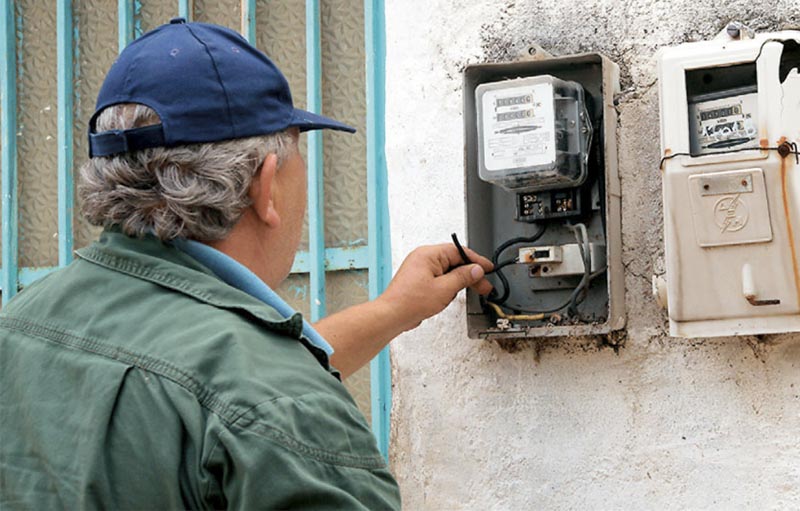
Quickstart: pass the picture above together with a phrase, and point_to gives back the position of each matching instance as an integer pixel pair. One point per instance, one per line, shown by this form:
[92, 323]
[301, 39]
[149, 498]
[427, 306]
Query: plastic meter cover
[533, 133]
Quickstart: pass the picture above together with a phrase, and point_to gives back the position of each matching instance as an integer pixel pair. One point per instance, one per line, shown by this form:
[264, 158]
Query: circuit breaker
[730, 125]
[543, 196]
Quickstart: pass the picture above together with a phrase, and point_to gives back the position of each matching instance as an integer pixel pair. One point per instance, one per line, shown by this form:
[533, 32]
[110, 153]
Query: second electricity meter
[723, 108]
[533, 133]
[730, 184]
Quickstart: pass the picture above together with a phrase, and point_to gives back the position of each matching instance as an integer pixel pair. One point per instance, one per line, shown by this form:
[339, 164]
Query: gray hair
[195, 191]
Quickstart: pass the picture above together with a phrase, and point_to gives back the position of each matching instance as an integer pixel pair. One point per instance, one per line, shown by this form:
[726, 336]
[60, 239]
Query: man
[159, 370]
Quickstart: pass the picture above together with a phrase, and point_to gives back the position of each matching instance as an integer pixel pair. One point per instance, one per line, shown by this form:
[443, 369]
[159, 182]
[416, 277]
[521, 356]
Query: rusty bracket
[754, 301]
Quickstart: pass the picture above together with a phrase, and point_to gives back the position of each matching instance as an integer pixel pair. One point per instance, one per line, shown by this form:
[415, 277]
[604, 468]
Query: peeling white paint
[663, 424]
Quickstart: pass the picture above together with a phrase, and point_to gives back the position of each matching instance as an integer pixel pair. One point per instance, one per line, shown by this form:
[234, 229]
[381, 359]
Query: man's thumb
[463, 276]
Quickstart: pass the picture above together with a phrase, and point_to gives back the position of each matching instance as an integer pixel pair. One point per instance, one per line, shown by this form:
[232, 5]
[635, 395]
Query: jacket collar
[160, 263]
[152, 260]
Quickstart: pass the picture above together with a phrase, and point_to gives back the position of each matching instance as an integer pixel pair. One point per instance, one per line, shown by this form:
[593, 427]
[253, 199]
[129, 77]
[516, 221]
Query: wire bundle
[496, 301]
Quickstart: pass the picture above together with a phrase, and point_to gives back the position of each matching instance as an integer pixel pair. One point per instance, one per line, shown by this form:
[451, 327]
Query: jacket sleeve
[303, 458]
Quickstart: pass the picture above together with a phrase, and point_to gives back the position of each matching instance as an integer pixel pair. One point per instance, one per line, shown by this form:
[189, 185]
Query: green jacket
[136, 379]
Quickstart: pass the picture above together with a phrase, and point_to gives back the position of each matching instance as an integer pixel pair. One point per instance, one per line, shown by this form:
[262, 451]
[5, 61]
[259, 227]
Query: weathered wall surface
[661, 423]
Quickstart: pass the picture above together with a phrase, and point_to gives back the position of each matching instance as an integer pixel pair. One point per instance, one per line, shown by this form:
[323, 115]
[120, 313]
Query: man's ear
[262, 192]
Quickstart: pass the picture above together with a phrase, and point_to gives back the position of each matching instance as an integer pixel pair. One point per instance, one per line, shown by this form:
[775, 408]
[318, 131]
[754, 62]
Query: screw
[734, 31]
[784, 149]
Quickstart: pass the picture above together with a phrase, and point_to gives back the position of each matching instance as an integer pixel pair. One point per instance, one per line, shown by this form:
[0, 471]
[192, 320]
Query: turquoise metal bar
[336, 259]
[137, 20]
[249, 20]
[66, 198]
[186, 9]
[316, 211]
[379, 242]
[28, 276]
[8, 140]
[125, 16]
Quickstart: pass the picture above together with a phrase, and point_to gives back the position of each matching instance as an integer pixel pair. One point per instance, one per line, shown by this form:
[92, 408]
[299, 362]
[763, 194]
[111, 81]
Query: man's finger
[482, 287]
[451, 257]
[475, 257]
[462, 277]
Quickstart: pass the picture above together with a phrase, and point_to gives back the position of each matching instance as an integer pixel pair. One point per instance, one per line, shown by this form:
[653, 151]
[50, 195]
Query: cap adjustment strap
[109, 143]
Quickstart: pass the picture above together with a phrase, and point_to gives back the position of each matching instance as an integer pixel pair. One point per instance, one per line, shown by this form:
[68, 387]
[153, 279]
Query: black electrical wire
[498, 265]
[466, 260]
[578, 289]
[499, 299]
[498, 270]
[505, 263]
[581, 287]
[516, 241]
[461, 252]
[784, 150]
[577, 295]
[575, 298]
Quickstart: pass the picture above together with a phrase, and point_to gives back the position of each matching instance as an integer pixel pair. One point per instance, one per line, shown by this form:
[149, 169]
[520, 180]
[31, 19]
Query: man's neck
[244, 245]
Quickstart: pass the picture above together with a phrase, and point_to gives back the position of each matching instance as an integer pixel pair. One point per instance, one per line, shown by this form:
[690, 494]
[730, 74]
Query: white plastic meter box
[730, 125]
[543, 198]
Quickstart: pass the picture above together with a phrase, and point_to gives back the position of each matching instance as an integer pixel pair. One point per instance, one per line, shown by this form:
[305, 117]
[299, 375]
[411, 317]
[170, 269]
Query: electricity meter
[723, 110]
[543, 196]
[533, 133]
[730, 125]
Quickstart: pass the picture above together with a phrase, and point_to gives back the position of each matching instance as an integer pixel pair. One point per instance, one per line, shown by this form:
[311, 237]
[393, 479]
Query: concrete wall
[661, 423]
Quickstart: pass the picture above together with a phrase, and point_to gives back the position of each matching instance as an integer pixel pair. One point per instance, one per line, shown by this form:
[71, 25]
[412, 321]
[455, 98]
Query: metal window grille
[26, 126]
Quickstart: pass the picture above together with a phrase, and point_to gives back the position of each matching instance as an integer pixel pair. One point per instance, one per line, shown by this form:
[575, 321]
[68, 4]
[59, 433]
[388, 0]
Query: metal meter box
[730, 124]
[543, 196]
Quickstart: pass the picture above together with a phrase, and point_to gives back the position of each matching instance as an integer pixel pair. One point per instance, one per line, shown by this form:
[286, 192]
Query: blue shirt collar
[235, 274]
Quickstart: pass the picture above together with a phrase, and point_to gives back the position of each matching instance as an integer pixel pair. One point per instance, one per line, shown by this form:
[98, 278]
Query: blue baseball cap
[206, 83]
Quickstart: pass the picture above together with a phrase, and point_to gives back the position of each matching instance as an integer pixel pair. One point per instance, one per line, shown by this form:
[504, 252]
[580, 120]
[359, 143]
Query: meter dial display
[726, 123]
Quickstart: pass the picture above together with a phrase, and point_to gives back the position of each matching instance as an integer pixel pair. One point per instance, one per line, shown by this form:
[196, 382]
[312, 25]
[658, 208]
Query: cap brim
[307, 121]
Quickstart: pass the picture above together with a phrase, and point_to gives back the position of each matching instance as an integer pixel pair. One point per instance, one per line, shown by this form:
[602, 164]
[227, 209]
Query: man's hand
[425, 284]
[429, 279]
